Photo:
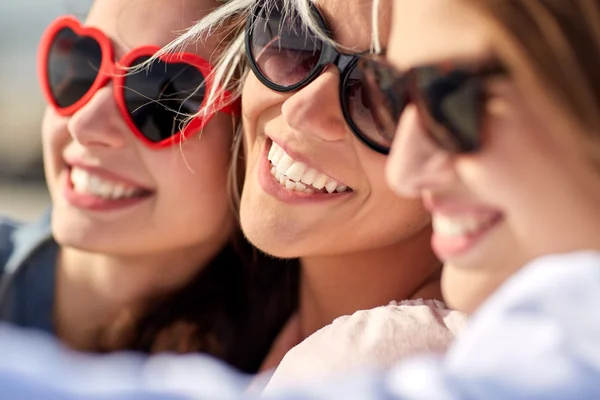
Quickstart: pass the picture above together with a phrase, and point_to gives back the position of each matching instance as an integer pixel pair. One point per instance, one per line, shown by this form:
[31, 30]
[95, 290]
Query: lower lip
[88, 202]
[451, 247]
[271, 186]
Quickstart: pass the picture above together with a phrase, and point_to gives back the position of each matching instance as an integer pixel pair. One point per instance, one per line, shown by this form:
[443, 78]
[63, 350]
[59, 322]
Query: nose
[415, 163]
[316, 108]
[98, 122]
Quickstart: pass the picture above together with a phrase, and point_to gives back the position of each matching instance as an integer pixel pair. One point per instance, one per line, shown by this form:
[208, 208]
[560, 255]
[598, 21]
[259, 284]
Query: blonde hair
[229, 20]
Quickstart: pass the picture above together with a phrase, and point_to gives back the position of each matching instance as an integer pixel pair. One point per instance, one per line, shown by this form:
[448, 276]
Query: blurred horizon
[23, 193]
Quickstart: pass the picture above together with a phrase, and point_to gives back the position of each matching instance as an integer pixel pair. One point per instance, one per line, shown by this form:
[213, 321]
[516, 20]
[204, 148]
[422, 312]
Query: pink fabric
[375, 338]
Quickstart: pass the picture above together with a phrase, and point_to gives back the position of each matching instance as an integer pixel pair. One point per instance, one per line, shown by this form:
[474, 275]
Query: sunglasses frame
[345, 63]
[115, 72]
[441, 135]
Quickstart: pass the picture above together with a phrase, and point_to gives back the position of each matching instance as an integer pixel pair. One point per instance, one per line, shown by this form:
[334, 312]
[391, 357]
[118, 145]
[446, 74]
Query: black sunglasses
[449, 98]
[285, 56]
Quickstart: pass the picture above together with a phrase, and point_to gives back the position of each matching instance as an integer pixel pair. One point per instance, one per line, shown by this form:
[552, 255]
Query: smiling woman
[141, 250]
[503, 200]
[313, 190]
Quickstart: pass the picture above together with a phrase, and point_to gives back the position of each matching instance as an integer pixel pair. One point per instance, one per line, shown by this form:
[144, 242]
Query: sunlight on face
[188, 205]
[501, 207]
[309, 126]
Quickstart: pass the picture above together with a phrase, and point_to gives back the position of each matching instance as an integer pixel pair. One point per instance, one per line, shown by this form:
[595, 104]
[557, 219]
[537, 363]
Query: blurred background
[23, 193]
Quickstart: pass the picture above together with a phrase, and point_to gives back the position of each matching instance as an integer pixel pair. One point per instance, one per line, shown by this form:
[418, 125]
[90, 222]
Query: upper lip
[304, 159]
[109, 175]
[456, 207]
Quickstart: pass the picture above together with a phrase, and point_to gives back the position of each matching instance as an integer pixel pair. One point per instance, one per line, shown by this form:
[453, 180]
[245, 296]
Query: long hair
[233, 310]
[556, 45]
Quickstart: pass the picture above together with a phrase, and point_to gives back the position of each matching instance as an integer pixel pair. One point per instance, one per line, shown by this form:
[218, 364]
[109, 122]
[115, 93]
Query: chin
[264, 239]
[84, 235]
[465, 289]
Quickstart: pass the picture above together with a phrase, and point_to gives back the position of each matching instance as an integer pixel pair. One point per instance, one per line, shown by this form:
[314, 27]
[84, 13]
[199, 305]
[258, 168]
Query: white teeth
[331, 186]
[271, 153]
[84, 182]
[118, 191]
[296, 171]
[297, 176]
[95, 185]
[309, 176]
[300, 187]
[285, 162]
[457, 226]
[319, 182]
[290, 185]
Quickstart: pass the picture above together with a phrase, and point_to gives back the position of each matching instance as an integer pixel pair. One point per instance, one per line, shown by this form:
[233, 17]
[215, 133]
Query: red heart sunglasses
[75, 61]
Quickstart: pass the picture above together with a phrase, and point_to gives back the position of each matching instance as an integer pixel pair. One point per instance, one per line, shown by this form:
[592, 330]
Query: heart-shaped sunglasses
[75, 61]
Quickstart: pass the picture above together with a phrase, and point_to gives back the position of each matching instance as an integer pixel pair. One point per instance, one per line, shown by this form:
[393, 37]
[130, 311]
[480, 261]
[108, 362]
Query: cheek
[258, 102]
[517, 172]
[510, 161]
[54, 130]
[194, 176]
[55, 137]
[401, 217]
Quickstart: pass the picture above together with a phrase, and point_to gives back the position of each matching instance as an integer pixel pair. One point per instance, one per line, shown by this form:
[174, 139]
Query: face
[128, 199]
[312, 144]
[527, 192]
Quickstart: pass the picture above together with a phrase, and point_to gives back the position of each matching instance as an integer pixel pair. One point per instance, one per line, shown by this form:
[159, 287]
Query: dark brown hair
[233, 310]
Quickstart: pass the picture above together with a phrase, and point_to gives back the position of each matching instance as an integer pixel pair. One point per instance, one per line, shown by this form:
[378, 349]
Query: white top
[537, 337]
[375, 338]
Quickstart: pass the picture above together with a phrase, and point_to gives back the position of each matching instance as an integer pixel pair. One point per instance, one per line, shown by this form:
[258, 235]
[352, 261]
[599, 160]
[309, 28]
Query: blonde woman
[313, 191]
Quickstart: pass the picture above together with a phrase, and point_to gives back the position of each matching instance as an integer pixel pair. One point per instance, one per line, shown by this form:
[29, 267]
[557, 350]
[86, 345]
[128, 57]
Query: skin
[124, 258]
[369, 232]
[530, 173]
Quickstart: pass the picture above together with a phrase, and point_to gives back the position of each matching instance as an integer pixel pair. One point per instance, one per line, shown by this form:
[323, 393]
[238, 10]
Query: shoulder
[377, 337]
[394, 331]
[8, 227]
[18, 239]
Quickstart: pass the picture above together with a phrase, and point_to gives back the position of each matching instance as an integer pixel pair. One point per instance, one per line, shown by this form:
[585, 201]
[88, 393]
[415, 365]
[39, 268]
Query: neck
[334, 286]
[95, 291]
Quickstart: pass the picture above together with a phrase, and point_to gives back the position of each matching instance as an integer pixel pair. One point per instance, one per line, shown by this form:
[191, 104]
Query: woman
[497, 132]
[312, 190]
[143, 251]
[507, 170]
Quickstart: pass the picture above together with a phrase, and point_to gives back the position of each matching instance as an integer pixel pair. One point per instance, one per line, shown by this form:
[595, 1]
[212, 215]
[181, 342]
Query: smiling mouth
[297, 176]
[87, 183]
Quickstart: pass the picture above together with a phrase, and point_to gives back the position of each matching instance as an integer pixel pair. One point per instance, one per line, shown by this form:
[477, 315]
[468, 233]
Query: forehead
[133, 23]
[426, 31]
[350, 21]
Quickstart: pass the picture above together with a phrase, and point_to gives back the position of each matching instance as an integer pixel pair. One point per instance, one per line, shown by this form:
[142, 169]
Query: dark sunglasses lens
[284, 51]
[73, 64]
[161, 98]
[451, 107]
[374, 102]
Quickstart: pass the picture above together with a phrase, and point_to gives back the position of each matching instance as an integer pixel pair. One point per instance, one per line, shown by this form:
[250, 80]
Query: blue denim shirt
[27, 265]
